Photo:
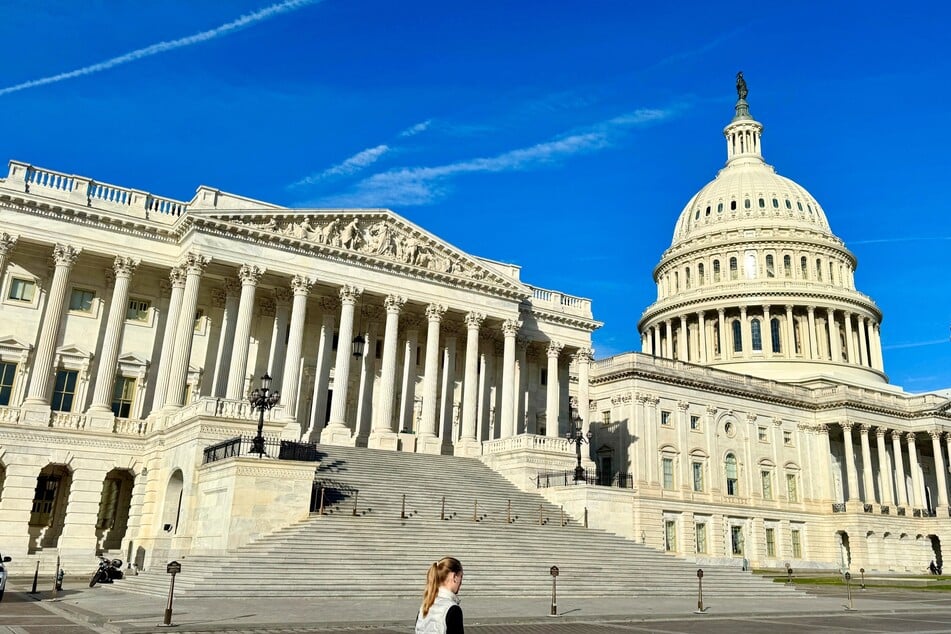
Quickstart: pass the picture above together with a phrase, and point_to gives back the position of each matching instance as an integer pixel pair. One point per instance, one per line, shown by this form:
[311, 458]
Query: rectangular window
[694, 422]
[606, 417]
[787, 438]
[7, 372]
[22, 290]
[138, 310]
[43, 497]
[668, 465]
[770, 267]
[767, 477]
[736, 539]
[700, 531]
[64, 389]
[123, 393]
[670, 535]
[665, 418]
[796, 543]
[770, 542]
[698, 476]
[81, 300]
[762, 435]
[199, 315]
[792, 487]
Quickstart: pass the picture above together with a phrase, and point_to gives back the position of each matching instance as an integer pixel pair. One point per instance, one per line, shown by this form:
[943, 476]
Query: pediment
[372, 237]
[72, 350]
[11, 344]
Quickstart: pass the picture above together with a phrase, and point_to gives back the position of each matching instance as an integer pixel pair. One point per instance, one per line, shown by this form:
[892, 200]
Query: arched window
[732, 481]
[696, 216]
[732, 205]
[831, 273]
[708, 210]
[804, 265]
[737, 336]
[700, 274]
[770, 267]
[716, 338]
[676, 281]
[787, 266]
[775, 204]
[716, 270]
[774, 333]
[719, 208]
[746, 203]
[818, 269]
[799, 205]
[687, 277]
[762, 204]
[733, 271]
[756, 334]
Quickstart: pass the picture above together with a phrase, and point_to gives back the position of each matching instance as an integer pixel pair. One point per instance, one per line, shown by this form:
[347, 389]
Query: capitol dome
[756, 282]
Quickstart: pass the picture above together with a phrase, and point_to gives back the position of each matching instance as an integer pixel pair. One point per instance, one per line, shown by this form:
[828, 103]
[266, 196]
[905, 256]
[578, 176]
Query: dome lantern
[743, 134]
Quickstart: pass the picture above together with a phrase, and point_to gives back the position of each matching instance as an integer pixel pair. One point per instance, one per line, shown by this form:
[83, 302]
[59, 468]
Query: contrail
[161, 47]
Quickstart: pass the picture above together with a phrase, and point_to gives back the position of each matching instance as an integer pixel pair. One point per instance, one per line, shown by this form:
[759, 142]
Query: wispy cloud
[423, 185]
[916, 344]
[162, 47]
[891, 240]
[416, 129]
[352, 165]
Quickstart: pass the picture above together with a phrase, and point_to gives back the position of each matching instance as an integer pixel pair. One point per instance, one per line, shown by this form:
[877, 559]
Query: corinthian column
[939, 468]
[7, 242]
[813, 342]
[863, 341]
[383, 435]
[318, 412]
[232, 291]
[105, 372]
[510, 328]
[867, 465]
[177, 282]
[885, 474]
[337, 432]
[584, 357]
[249, 275]
[469, 445]
[916, 499]
[64, 256]
[427, 441]
[553, 391]
[849, 343]
[194, 265]
[900, 484]
[851, 474]
[301, 286]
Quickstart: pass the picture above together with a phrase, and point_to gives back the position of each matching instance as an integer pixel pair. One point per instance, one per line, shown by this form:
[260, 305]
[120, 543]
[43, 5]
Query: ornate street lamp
[262, 399]
[577, 436]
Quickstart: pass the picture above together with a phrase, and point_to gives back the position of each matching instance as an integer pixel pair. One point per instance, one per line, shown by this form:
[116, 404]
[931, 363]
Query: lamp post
[577, 436]
[262, 399]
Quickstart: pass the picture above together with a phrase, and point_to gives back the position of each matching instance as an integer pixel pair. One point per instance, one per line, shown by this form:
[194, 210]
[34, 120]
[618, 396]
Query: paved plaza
[108, 609]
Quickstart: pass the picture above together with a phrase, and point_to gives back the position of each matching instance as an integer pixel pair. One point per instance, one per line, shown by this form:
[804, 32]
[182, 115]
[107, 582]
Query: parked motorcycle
[108, 570]
[3, 575]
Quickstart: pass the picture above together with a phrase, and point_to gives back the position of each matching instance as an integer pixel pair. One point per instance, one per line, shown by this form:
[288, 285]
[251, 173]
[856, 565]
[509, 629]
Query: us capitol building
[755, 426]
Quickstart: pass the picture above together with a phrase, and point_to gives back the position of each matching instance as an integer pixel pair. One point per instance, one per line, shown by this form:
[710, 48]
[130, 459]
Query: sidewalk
[113, 610]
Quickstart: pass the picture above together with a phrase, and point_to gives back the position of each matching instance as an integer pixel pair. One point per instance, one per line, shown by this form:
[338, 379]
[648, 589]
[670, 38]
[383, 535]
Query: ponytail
[435, 577]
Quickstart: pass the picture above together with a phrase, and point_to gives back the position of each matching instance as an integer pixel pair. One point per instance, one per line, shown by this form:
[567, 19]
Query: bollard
[356, 496]
[848, 585]
[508, 513]
[788, 575]
[403, 510]
[321, 512]
[53, 598]
[586, 517]
[59, 579]
[36, 576]
[173, 568]
[442, 511]
[700, 608]
[553, 571]
[862, 570]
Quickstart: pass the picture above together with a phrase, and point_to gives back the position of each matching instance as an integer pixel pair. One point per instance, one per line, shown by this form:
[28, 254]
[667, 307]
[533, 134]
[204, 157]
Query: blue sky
[562, 136]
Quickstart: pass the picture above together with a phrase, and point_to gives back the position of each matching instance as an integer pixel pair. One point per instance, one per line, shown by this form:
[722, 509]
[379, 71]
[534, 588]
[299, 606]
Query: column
[584, 357]
[916, 499]
[426, 439]
[64, 256]
[724, 348]
[885, 474]
[553, 391]
[702, 334]
[813, 342]
[835, 352]
[123, 268]
[939, 468]
[290, 377]
[683, 341]
[383, 435]
[408, 383]
[825, 463]
[521, 384]
[249, 275]
[790, 334]
[510, 328]
[900, 485]
[469, 444]
[447, 389]
[177, 282]
[336, 432]
[7, 242]
[194, 265]
[652, 333]
[318, 411]
[232, 292]
[863, 347]
[278, 353]
[868, 481]
[367, 377]
[669, 340]
[876, 335]
[767, 333]
[745, 333]
[645, 342]
[853, 479]
[849, 342]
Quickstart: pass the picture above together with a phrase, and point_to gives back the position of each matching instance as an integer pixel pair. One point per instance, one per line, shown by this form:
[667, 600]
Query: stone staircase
[362, 546]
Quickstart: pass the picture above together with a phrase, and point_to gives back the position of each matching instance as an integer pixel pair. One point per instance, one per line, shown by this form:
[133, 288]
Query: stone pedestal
[36, 414]
[469, 448]
[428, 443]
[383, 440]
[336, 434]
[407, 442]
[100, 419]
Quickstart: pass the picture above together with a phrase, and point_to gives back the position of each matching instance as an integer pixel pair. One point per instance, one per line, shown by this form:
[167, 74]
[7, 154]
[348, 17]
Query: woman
[440, 612]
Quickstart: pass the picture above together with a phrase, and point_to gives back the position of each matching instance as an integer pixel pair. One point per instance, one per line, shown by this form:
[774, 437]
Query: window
[770, 542]
[733, 269]
[676, 281]
[698, 477]
[737, 336]
[732, 205]
[736, 539]
[787, 266]
[775, 204]
[694, 422]
[792, 487]
[796, 543]
[716, 270]
[123, 393]
[668, 467]
[774, 335]
[762, 434]
[804, 267]
[700, 275]
[757, 335]
[720, 208]
[138, 310]
[787, 438]
[818, 269]
[543, 377]
[746, 203]
[665, 418]
[199, 317]
[7, 372]
[700, 532]
[22, 290]
[799, 205]
[687, 278]
[606, 417]
[81, 300]
[64, 389]
[708, 210]
[43, 497]
[750, 268]
[797, 337]
[831, 273]
[716, 338]
[762, 203]
[670, 535]
[767, 477]
[770, 267]
[732, 484]
[788, 204]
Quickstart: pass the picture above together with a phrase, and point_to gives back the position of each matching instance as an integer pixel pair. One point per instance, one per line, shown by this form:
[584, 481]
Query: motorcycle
[107, 571]
[3, 575]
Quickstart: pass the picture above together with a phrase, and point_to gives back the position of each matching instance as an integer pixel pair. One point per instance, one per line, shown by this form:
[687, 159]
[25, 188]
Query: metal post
[862, 570]
[442, 512]
[700, 608]
[553, 571]
[168, 606]
[321, 500]
[508, 513]
[586, 517]
[848, 585]
[356, 496]
[36, 576]
[403, 510]
[54, 577]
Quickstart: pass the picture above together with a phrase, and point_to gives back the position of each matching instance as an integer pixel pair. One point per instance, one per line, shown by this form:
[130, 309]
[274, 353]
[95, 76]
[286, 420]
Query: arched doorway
[845, 551]
[48, 511]
[113, 517]
[936, 548]
[172, 512]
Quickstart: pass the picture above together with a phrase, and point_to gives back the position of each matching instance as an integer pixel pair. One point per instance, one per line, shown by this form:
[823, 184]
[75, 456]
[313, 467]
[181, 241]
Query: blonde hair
[437, 575]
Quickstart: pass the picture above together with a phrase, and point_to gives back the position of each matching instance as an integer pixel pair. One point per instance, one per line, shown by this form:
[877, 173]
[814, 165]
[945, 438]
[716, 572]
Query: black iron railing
[325, 494]
[273, 448]
[838, 507]
[548, 479]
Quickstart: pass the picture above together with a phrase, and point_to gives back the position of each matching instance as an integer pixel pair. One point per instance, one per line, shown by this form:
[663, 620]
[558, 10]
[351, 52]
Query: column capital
[847, 425]
[896, 435]
[510, 327]
[910, 437]
[822, 428]
[474, 320]
[7, 242]
[683, 406]
[124, 267]
[250, 274]
[766, 309]
[434, 312]
[711, 410]
[880, 432]
[935, 434]
[301, 284]
[283, 295]
[788, 307]
[584, 355]
[65, 255]
[194, 263]
[721, 311]
[811, 310]
[865, 428]
[554, 349]
[394, 304]
[349, 294]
